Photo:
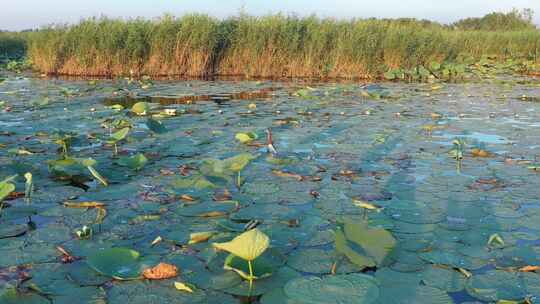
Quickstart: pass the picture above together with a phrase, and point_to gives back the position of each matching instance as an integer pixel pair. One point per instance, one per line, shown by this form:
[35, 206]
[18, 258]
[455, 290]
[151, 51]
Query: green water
[385, 149]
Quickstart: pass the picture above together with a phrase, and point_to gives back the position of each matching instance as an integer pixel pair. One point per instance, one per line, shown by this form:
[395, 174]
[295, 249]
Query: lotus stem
[250, 274]
[115, 149]
[238, 180]
[96, 174]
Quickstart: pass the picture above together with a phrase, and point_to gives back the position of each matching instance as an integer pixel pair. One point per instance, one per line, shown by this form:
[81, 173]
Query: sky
[26, 14]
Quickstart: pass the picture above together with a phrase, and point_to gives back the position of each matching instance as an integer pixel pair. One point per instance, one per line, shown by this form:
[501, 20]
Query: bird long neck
[269, 140]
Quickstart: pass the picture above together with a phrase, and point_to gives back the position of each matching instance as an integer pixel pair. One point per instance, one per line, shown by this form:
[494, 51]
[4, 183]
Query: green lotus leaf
[12, 230]
[18, 212]
[364, 246]
[208, 209]
[118, 263]
[155, 126]
[496, 285]
[5, 189]
[446, 279]
[12, 296]
[246, 137]
[134, 162]
[88, 162]
[226, 168]
[196, 181]
[406, 293]
[119, 135]
[319, 261]
[140, 108]
[261, 267]
[343, 289]
[248, 245]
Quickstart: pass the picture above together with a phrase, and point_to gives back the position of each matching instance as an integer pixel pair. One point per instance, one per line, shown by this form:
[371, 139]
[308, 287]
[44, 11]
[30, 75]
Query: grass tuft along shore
[280, 46]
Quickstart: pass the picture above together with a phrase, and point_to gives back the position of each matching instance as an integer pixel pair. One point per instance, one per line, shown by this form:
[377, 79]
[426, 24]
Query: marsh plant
[279, 45]
[457, 152]
[64, 140]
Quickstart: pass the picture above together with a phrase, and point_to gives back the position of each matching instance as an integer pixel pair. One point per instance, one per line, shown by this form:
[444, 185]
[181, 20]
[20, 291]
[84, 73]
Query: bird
[270, 142]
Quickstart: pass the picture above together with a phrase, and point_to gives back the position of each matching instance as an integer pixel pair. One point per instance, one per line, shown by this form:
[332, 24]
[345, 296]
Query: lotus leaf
[349, 288]
[118, 263]
[248, 245]
[140, 108]
[246, 137]
[364, 246]
[134, 162]
[155, 126]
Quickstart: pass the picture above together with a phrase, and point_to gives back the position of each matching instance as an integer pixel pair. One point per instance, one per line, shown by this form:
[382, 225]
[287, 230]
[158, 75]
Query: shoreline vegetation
[282, 46]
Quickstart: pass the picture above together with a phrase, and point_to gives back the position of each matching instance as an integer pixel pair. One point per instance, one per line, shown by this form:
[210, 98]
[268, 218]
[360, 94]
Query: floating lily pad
[261, 267]
[497, 285]
[446, 279]
[453, 259]
[364, 246]
[319, 261]
[12, 230]
[135, 162]
[118, 263]
[208, 209]
[350, 288]
[12, 296]
[407, 293]
[140, 108]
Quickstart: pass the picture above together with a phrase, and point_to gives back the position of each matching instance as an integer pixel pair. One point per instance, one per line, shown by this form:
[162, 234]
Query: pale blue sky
[22, 14]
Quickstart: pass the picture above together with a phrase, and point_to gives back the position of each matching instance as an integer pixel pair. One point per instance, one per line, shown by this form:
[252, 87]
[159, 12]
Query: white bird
[270, 142]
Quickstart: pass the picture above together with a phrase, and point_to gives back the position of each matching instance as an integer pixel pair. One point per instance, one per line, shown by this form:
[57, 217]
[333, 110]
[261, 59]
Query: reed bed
[12, 45]
[268, 46]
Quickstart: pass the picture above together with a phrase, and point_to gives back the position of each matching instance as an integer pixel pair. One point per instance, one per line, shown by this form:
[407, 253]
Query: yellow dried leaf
[186, 197]
[365, 205]
[92, 204]
[183, 287]
[529, 268]
[199, 237]
[479, 153]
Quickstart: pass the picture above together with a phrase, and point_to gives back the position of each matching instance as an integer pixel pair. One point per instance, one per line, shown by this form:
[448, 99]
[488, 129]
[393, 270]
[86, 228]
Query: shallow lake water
[462, 230]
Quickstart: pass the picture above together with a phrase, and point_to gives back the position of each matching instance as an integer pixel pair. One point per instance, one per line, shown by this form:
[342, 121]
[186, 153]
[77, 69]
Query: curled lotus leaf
[248, 245]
